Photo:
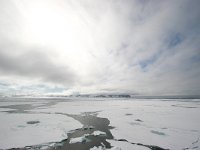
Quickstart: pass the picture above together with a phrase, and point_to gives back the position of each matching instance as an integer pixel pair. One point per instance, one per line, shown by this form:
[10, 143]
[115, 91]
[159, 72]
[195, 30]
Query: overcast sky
[99, 46]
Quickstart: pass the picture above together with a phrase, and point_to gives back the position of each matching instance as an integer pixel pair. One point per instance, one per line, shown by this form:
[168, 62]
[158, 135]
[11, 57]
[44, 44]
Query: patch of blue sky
[149, 61]
[195, 58]
[174, 39]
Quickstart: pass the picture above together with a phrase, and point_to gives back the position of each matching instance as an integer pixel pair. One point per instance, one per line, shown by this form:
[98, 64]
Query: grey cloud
[33, 63]
[160, 48]
[141, 46]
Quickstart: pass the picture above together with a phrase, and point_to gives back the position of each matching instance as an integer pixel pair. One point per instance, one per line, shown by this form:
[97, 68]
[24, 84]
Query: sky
[145, 47]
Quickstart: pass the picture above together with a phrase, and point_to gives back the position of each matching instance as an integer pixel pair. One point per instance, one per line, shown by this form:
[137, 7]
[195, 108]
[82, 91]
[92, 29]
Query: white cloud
[146, 47]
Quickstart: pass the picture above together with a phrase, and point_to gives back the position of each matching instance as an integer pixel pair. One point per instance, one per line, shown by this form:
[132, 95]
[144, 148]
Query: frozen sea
[99, 123]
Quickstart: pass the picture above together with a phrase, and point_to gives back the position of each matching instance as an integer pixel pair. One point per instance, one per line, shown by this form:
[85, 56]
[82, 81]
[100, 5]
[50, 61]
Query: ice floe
[15, 132]
[97, 133]
[82, 139]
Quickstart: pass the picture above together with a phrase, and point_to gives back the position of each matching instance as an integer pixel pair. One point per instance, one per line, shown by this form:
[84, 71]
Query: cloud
[145, 47]
[32, 63]
[148, 46]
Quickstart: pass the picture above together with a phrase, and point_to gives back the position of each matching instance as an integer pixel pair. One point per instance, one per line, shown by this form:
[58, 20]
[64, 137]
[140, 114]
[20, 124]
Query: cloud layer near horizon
[141, 46]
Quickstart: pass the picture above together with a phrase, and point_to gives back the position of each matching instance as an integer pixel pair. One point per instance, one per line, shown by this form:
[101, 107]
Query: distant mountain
[107, 95]
[103, 95]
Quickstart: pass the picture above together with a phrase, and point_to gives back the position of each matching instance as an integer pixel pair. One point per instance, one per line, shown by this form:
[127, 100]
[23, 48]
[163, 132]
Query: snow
[7, 103]
[6, 109]
[121, 146]
[15, 132]
[82, 139]
[97, 148]
[170, 124]
[102, 148]
[164, 123]
[126, 146]
[97, 133]
[173, 128]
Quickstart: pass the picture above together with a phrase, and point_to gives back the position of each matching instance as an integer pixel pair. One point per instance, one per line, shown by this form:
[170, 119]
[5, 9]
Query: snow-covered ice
[170, 124]
[126, 146]
[102, 148]
[15, 132]
[82, 139]
[118, 145]
[96, 133]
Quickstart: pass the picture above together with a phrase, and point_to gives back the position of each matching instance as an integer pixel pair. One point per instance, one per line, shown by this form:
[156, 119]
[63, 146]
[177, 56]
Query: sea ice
[82, 139]
[170, 124]
[15, 132]
[96, 133]
[102, 148]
